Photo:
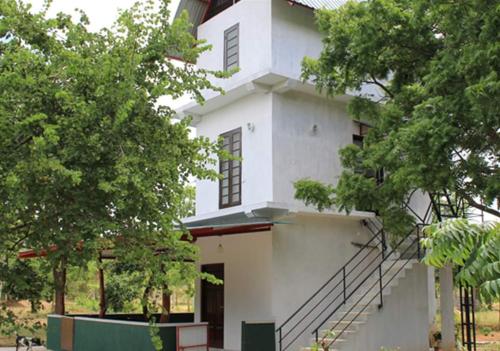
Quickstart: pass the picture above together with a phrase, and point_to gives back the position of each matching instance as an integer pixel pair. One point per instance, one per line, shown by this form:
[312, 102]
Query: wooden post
[59, 273]
[165, 305]
[102, 291]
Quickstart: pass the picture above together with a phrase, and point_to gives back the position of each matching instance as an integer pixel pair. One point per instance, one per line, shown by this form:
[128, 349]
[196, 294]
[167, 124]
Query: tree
[26, 281]
[473, 248]
[434, 123]
[90, 156]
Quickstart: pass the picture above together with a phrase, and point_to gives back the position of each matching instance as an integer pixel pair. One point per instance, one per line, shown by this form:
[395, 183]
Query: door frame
[203, 306]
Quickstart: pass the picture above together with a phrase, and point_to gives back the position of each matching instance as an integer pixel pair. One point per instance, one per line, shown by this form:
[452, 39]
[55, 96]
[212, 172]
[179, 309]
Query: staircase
[355, 314]
[337, 311]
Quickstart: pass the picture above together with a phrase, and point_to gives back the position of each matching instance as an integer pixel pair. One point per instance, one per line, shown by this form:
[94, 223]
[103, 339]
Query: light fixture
[251, 127]
[220, 248]
[314, 129]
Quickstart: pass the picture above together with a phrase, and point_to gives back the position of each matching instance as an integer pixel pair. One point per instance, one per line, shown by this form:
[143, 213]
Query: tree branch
[481, 207]
[380, 85]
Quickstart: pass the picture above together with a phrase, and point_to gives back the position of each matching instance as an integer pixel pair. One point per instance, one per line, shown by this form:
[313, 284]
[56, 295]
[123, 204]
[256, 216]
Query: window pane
[236, 171]
[225, 191]
[225, 200]
[235, 198]
[225, 183]
[236, 180]
[225, 165]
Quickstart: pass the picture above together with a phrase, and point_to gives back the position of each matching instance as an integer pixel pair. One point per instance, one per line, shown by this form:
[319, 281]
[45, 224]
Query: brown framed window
[378, 174]
[230, 184]
[232, 47]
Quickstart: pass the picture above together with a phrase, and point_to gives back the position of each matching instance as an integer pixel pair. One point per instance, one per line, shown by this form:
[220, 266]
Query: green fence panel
[93, 335]
[54, 333]
[257, 337]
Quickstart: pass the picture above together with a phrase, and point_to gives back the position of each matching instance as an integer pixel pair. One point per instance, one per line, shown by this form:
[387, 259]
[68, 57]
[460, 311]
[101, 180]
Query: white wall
[403, 321]
[294, 35]
[300, 153]
[307, 253]
[256, 151]
[247, 284]
[254, 18]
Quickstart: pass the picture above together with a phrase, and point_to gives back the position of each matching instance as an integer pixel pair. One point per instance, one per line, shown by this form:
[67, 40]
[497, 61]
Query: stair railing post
[380, 284]
[344, 284]
[383, 244]
[280, 341]
[418, 243]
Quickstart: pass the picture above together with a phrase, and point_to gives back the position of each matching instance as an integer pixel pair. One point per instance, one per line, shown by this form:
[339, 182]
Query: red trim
[204, 19]
[195, 233]
[239, 229]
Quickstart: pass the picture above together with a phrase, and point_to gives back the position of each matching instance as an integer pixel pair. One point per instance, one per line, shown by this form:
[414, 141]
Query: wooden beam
[102, 291]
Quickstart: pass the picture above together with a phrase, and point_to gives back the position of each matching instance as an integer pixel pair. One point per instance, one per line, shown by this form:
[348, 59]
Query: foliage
[90, 157]
[26, 281]
[474, 248]
[433, 67]
[123, 285]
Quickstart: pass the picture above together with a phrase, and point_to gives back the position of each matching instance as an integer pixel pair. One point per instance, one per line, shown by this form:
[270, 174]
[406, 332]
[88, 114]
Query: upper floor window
[230, 184]
[379, 173]
[232, 47]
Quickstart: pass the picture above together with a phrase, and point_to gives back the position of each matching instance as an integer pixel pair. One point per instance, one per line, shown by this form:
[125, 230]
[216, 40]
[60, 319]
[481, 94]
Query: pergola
[196, 232]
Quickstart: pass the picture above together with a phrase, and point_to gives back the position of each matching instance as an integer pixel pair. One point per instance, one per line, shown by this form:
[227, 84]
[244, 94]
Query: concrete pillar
[447, 309]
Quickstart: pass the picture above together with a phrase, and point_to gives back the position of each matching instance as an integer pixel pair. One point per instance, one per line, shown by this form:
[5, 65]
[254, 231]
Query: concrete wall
[247, 284]
[306, 253]
[294, 35]
[403, 322]
[298, 152]
[256, 151]
[254, 18]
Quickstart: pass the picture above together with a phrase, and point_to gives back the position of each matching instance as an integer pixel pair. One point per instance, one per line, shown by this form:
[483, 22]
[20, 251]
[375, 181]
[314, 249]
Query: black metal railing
[335, 289]
[314, 313]
[374, 290]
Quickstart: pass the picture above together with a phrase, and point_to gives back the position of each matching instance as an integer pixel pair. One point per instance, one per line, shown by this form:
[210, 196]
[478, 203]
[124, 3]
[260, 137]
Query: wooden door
[212, 305]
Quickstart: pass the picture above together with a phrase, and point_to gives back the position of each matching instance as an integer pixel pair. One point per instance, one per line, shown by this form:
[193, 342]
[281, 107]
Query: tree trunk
[145, 298]
[59, 273]
[166, 306]
[102, 292]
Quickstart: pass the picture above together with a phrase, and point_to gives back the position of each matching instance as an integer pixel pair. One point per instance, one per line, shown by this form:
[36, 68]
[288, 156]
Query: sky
[102, 13]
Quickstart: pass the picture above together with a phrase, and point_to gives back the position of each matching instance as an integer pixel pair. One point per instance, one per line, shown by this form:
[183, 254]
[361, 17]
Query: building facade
[273, 252]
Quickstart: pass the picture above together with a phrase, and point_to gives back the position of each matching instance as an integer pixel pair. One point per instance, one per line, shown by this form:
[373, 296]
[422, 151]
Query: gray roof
[321, 4]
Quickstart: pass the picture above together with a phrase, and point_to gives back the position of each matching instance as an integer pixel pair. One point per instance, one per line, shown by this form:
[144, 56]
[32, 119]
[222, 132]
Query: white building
[272, 252]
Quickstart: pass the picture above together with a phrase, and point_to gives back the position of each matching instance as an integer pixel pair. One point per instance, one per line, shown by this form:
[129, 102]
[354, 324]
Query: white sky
[102, 13]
